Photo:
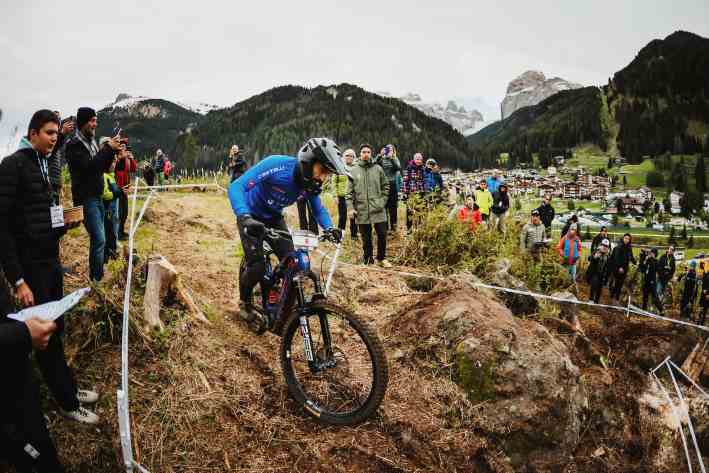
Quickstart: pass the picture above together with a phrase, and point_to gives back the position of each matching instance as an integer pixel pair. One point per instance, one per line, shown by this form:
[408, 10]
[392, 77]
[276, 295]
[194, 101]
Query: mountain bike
[333, 361]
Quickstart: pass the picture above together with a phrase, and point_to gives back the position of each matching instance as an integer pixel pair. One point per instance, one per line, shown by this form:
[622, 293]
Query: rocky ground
[473, 388]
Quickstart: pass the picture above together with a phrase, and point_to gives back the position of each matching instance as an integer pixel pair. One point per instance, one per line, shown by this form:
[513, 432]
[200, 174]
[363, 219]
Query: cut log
[694, 365]
[161, 275]
[163, 278]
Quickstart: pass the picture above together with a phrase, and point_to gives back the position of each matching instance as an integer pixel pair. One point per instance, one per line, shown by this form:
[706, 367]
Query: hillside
[562, 120]
[278, 121]
[658, 103]
[149, 123]
[661, 99]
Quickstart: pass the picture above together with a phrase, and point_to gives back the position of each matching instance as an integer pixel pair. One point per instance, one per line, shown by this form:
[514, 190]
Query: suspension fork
[314, 364]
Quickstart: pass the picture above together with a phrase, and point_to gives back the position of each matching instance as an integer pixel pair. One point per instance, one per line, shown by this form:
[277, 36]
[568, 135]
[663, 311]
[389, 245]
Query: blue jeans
[571, 269]
[94, 223]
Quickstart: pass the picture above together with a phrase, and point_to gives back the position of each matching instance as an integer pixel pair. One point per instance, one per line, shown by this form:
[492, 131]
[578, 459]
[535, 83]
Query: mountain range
[278, 121]
[453, 113]
[530, 88]
[658, 103]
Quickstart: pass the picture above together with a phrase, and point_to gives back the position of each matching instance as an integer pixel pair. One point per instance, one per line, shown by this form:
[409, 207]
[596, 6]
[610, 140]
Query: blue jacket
[432, 180]
[270, 186]
[493, 185]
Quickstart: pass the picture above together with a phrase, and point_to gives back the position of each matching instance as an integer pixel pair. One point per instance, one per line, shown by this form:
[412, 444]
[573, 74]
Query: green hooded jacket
[367, 192]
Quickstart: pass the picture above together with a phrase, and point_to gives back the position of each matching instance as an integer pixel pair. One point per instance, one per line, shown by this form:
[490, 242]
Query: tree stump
[163, 278]
[694, 365]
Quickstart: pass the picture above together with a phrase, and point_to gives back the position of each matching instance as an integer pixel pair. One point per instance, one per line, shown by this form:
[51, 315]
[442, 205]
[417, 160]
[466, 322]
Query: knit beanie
[83, 115]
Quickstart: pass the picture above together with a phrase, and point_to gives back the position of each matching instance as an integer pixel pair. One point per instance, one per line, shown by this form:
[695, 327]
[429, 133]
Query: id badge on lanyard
[56, 212]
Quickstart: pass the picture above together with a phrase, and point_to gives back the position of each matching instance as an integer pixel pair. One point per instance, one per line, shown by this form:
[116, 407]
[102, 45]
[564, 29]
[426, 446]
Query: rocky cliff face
[465, 121]
[531, 88]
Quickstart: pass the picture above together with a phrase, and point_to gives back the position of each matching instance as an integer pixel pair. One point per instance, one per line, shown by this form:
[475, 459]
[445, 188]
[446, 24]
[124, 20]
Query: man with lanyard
[258, 198]
[31, 225]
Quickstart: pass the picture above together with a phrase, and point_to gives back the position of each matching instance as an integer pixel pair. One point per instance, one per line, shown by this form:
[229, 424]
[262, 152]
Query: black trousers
[596, 288]
[254, 256]
[341, 212]
[381, 231]
[24, 439]
[306, 218]
[123, 213]
[617, 284]
[392, 205]
[651, 292]
[46, 280]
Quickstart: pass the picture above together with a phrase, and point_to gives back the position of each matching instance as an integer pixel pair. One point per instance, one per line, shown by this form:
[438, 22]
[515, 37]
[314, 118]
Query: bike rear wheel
[350, 379]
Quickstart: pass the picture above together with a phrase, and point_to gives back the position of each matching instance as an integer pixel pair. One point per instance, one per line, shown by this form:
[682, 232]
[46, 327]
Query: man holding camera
[87, 163]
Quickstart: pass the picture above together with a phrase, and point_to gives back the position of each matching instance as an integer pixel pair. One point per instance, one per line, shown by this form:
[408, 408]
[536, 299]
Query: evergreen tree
[610, 163]
[571, 205]
[700, 175]
[690, 242]
[684, 232]
[671, 239]
[625, 180]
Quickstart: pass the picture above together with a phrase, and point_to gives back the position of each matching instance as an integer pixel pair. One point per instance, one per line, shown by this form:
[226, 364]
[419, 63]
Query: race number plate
[303, 239]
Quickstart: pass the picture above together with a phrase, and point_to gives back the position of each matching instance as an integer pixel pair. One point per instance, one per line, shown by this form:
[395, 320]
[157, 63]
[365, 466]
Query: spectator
[433, 181]
[547, 214]
[126, 167]
[149, 173]
[532, 237]
[339, 186]
[470, 214]
[392, 168]
[596, 242]
[87, 164]
[350, 157]
[484, 200]
[31, 226]
[704, 303]
[570, 251]
[56, 159]
[237, 164]
[159, 167]
[22, 423]
[574, 220]
[367, 193]
[500, 206]
[111, 194]
[167, 169]
[414, 187]
[650, 281]
[689, 291]
[621, 257]
[665, 271]
[306, 217]
[494, 182]
[597, 272]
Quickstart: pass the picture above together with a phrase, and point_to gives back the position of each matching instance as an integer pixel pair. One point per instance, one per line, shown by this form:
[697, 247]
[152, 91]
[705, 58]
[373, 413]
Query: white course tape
[179, 186]
[679, 418]
[628, 309]
[683, 402]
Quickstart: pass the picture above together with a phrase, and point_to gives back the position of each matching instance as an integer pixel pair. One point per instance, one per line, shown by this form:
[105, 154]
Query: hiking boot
[384, 264]
[87, 397]
[82, 415]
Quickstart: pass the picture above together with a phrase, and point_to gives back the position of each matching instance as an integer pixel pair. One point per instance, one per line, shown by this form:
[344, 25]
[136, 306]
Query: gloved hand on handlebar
[252, 226]
[335, 234]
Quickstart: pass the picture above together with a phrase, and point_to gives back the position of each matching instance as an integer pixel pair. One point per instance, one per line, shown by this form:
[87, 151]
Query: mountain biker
[259, 196]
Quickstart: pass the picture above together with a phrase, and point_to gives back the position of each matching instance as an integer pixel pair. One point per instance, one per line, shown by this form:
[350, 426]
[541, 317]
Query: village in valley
[599, 198]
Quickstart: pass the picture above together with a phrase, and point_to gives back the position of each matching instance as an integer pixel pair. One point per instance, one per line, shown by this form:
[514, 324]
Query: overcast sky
[62, 55]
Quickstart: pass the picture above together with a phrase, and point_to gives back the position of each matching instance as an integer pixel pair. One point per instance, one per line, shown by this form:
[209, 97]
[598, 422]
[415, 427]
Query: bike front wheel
[341, 376]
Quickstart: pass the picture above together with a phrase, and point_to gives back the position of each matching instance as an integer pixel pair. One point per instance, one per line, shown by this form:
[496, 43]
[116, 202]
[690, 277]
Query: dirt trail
[213, 399]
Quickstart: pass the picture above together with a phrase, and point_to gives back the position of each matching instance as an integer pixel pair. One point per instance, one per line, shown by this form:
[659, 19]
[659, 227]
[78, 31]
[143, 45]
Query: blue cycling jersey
[270, 186]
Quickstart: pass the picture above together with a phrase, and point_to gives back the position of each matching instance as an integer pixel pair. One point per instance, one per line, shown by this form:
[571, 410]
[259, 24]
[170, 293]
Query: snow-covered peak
[128, 101]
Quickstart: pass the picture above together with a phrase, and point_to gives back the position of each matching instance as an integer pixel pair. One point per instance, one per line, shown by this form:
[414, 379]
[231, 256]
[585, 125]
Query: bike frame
[292, 271]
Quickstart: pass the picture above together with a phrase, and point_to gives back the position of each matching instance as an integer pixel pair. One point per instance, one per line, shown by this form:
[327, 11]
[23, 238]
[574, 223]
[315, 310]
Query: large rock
[519, 304]
[530, 88]
[529, 396]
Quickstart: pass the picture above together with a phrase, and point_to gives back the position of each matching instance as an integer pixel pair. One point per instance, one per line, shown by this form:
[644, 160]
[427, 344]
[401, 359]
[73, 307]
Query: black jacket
[26, 232]
[650, 273]
[500, 202]
[622, 256]
[666, 268]
[86, 172]
[598, 268]
[596, 242]
[237, 167]
[546, 214]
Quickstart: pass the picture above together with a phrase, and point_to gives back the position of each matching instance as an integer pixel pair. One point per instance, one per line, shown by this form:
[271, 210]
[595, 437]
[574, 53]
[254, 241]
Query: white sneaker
[384, 264]
[82, 415]
[87, 397]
